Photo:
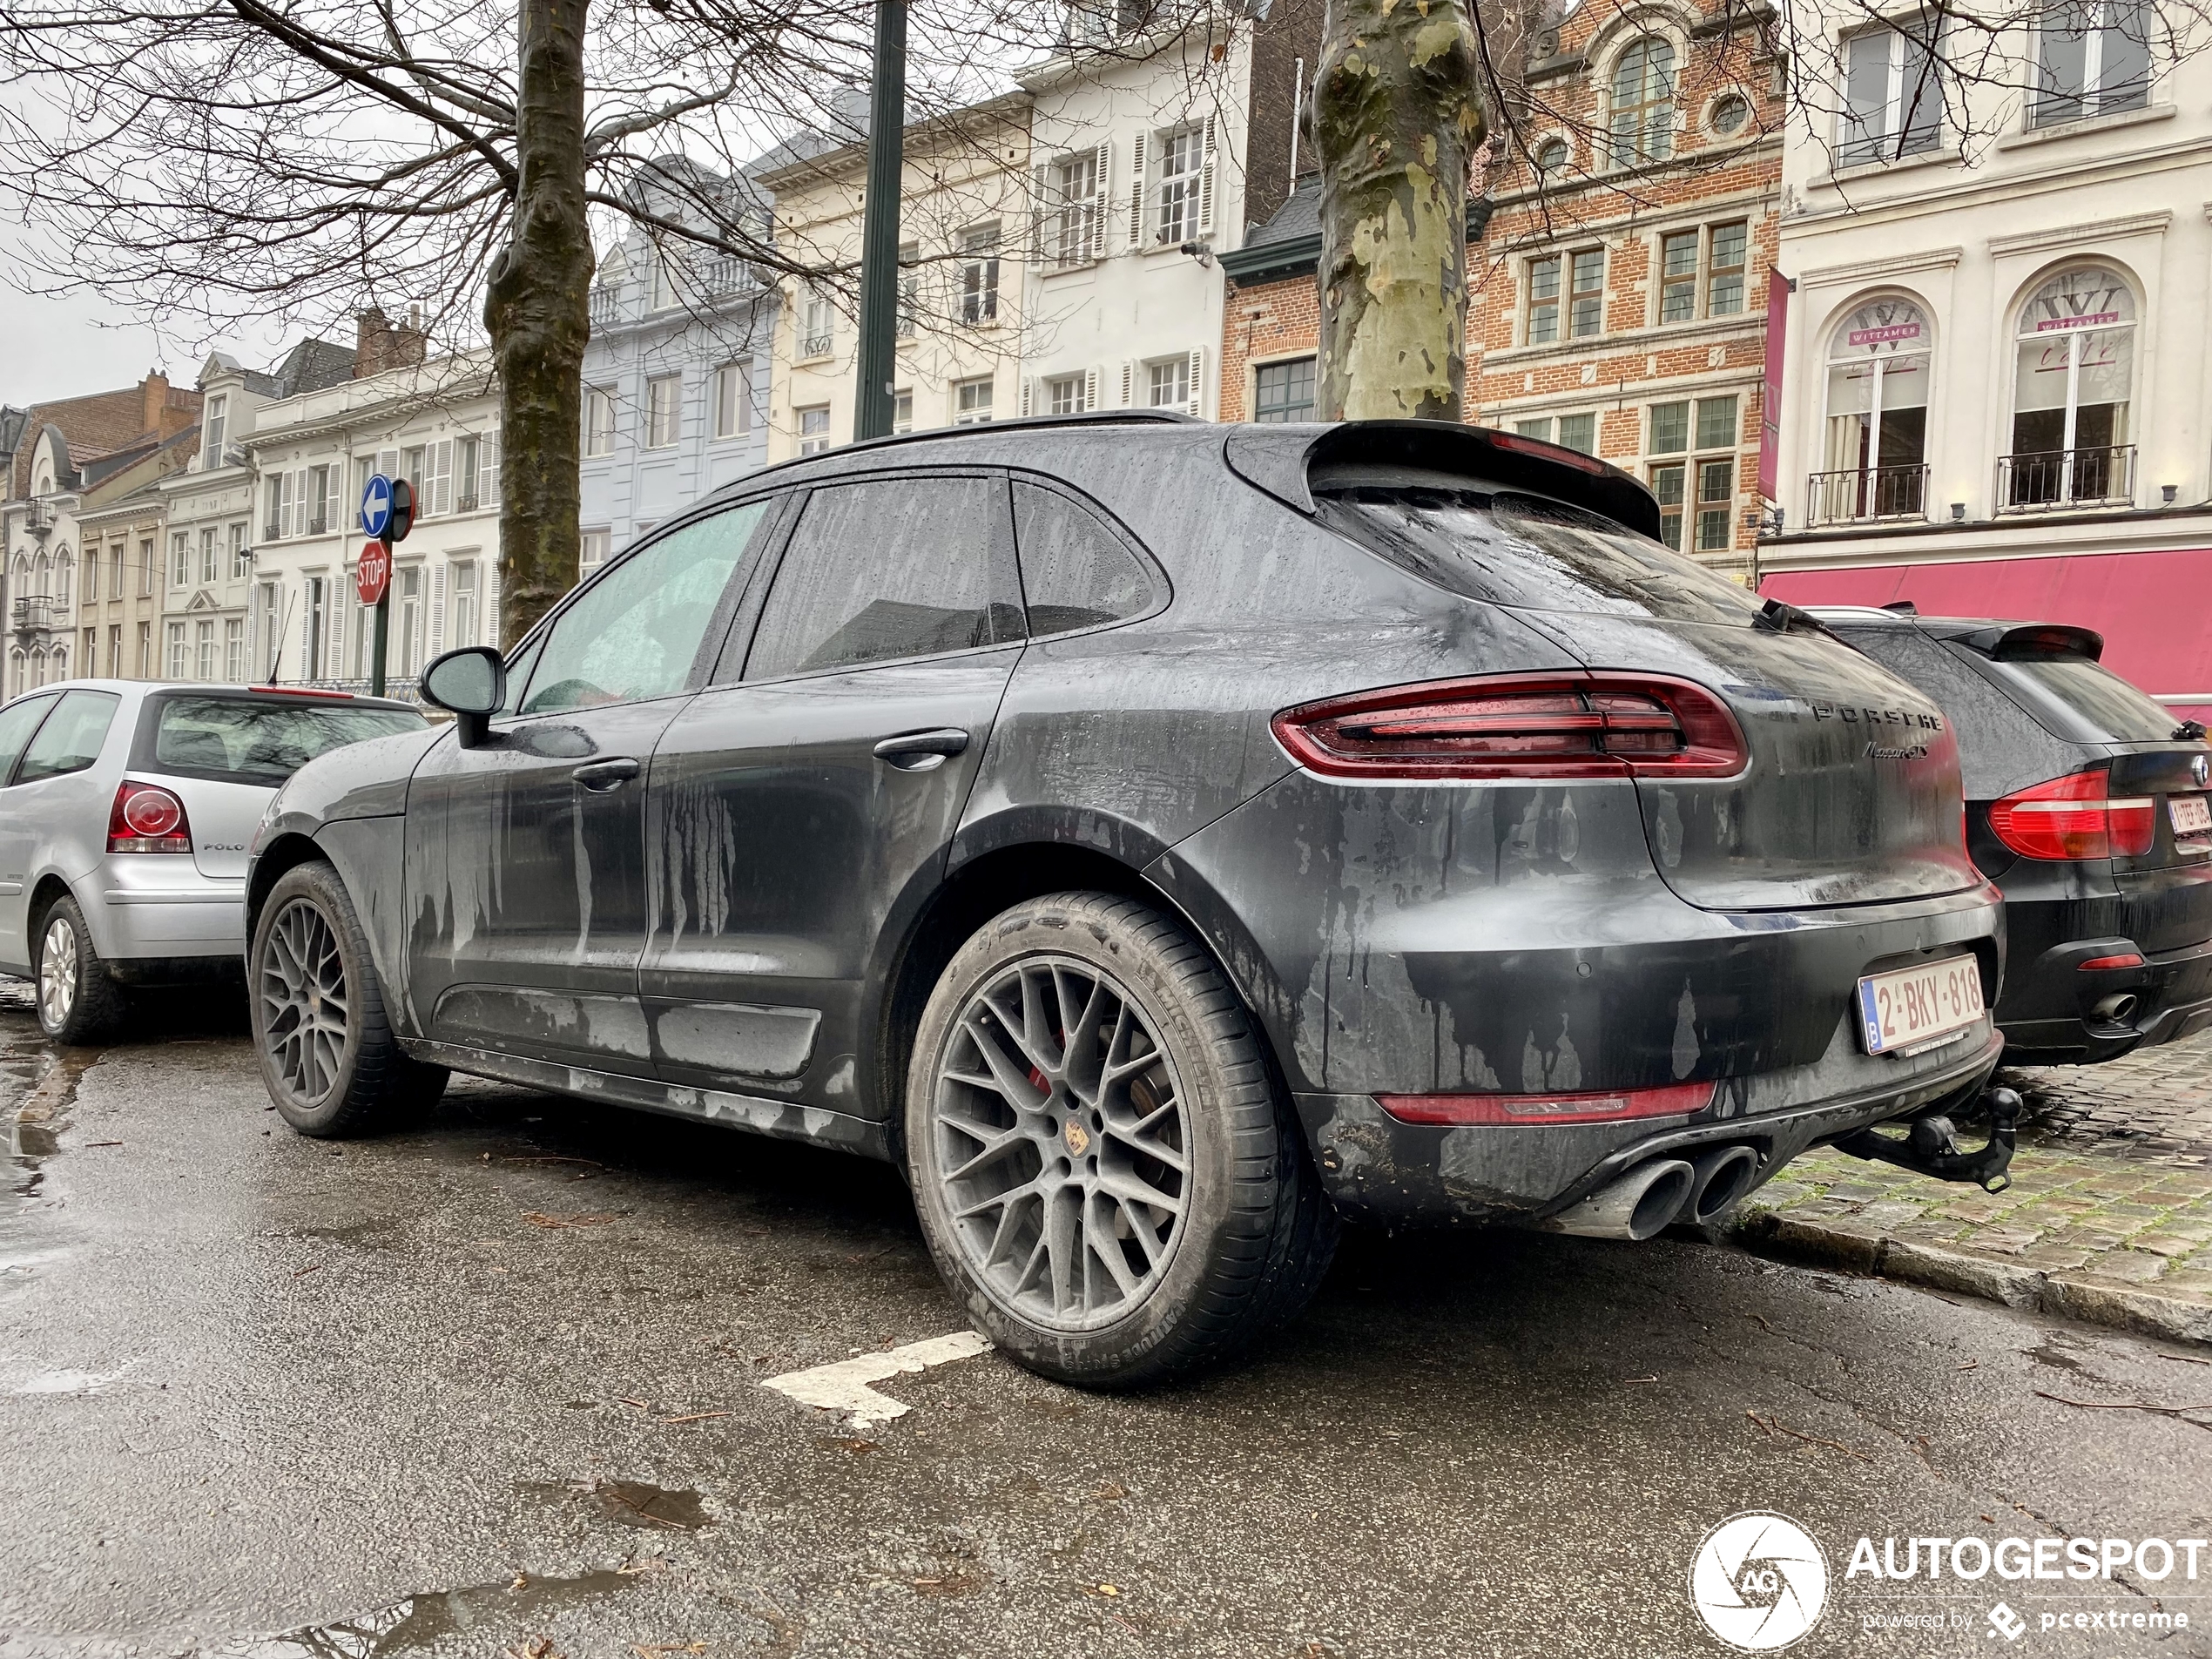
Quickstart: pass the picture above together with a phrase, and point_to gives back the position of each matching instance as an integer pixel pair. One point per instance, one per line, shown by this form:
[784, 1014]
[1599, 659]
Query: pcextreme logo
[1759, 1582]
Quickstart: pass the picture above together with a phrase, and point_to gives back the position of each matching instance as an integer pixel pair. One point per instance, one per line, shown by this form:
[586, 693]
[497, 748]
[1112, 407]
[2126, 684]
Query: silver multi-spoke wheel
[57, 969]
[1061, 1143]
[304, 1002]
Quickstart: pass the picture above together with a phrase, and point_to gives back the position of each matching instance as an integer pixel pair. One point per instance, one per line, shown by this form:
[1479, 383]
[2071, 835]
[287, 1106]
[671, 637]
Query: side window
[518, 676]
[891, 567]
[1075, 571]
[18, 721]
[70, 740]
[635, 633]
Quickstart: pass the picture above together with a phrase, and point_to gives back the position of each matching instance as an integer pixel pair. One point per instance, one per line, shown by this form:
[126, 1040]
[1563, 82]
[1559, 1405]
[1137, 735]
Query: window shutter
[1129, 383]
[1101, 196]
[1040, 187]
[1090, 388]
[490, 623]
[1136, 195]
[306, 634]
[1205, 182]
[437, 608]
[1029, 386]
[339, 606]
[1197, 403]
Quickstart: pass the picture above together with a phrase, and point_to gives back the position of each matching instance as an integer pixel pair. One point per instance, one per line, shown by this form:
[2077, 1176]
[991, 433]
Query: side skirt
[781, 1119]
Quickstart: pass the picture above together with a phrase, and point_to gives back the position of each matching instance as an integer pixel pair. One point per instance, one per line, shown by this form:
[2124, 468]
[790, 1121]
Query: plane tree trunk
[538, 310]
[1396, 117]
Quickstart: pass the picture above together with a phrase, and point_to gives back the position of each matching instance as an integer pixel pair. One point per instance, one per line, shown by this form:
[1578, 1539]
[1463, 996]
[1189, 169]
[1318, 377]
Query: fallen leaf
[521, 1581]
[1111, 1491]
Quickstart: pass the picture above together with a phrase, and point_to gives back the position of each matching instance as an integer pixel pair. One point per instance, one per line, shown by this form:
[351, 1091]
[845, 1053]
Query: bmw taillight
[147, 819]
[1520, 725]
[2073, 816]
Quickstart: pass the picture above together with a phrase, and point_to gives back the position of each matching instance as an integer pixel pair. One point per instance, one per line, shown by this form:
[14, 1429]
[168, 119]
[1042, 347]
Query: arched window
[1643, 106]
[65, 567]
[18, 682]
[37, 666]
[58, 663]
[2073, 375]
[42, 576]
[1877, 428]
[1551, 157]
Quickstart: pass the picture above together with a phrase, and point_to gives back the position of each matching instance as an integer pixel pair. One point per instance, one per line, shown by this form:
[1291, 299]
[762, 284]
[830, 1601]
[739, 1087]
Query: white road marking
[844, 1386]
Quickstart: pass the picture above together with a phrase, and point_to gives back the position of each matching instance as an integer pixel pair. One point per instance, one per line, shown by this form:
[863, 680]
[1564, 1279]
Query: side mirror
[470, 683]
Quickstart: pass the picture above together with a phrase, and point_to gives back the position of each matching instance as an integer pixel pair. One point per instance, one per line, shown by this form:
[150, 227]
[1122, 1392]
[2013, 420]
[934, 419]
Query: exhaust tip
[1721, 1178]
[2116, 1009]
[1662, 1200]
[1635, 1206]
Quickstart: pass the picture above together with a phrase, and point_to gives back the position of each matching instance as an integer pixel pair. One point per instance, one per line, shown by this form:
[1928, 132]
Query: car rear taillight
[1608, 1106]
[1520, 725]
[147, 819]
[2073, 817]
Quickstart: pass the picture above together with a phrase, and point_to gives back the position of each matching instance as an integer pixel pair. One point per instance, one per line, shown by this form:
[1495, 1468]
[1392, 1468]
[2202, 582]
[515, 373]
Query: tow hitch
[1930, 1145]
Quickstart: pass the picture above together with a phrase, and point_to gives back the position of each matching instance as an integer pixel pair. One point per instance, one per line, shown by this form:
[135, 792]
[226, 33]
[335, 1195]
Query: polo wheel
[78, 999]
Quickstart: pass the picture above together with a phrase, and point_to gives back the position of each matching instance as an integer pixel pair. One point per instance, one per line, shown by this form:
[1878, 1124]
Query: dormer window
[211, 426]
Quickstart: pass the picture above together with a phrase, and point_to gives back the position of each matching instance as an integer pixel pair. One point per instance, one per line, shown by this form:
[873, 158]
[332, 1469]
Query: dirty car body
[1591, 890]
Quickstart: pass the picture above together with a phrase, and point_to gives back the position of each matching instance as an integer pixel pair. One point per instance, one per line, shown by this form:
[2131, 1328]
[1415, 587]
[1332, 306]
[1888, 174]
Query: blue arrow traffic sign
[377, 506]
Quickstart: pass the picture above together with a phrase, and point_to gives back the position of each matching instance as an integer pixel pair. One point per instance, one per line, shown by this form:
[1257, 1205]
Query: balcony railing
[317, 527]
[32, 613]
[2103, 476]
[271, 531]
[1867, 495]
[815, 346]
[465, 505]
[725, 275]
[606, 304]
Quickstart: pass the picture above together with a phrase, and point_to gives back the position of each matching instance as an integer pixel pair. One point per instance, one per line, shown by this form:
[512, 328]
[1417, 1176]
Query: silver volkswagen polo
[125, 810]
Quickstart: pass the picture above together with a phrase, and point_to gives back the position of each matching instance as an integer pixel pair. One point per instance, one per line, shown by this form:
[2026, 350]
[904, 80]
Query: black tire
[333, 1076]
[1244, 1232]
[77, 998]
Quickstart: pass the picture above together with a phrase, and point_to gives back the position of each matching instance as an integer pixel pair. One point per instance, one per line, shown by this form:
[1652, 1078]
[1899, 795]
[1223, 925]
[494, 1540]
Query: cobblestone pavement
[2109, 1218]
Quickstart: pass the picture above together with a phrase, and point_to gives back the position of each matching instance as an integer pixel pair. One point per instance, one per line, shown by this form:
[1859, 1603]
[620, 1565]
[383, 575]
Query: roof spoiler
[2036, 639]
[1270, 459]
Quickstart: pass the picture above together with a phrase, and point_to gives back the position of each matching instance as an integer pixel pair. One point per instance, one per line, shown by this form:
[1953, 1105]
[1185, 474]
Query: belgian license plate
[1908, 1009]
[2192, 816]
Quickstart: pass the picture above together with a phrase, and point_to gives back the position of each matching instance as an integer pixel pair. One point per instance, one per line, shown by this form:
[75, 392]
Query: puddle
[633, 1503]
[38, 1087]
[461, 1620]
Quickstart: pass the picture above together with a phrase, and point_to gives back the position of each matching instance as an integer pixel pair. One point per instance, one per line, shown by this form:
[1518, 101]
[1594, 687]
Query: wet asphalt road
[493, 1387]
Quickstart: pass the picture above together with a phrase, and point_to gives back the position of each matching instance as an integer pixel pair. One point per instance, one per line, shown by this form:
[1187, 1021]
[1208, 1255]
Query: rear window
[1531, 553]
[2088, 700]
[260, 740]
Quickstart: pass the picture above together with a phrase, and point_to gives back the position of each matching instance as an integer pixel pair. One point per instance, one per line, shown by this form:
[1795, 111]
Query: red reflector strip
[2124, 959]
[1607, 1106]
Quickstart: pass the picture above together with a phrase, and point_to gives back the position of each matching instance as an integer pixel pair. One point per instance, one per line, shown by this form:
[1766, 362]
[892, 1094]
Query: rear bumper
[162, 910]
[1382, 1171]
[2055, 1013]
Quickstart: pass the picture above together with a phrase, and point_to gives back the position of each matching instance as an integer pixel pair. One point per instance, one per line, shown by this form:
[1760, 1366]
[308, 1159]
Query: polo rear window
[260, 740]
[1531, 553]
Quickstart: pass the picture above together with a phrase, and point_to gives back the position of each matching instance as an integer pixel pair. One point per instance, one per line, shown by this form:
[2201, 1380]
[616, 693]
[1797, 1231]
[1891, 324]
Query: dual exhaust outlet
[1650, 1197]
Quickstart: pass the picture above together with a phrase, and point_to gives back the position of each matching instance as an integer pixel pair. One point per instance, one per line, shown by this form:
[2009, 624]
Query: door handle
[602, 775]
[922, 750]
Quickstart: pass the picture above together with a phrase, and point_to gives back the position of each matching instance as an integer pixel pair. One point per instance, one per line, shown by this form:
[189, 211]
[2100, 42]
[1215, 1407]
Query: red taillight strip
[1606, 1106]
[1599, 723]
[2124, 958]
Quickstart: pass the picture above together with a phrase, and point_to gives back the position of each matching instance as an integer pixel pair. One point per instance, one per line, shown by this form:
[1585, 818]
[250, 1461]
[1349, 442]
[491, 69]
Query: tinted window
[262, 740]
[1536, 554]
[1075, 571]
[2109, 706]
[70, 740]
[896, 566]
[636, 632]
[1996, 736]
[18, 721]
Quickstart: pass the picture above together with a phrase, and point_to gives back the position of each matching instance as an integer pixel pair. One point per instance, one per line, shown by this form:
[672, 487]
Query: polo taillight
[146, 817]
[1520, 725]
[2074, 817]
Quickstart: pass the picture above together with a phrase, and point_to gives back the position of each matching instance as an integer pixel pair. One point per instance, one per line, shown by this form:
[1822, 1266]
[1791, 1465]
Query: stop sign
[373, 574]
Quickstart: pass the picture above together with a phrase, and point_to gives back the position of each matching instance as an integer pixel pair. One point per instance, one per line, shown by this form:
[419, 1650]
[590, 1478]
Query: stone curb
[1766, 1233]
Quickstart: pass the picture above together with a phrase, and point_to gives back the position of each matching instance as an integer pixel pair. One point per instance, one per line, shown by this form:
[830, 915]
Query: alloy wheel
[305, 1004]
[57, 973]
[1060, 1144]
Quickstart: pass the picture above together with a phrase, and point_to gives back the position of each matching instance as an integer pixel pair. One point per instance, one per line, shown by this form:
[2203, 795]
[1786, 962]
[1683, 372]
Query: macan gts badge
[1163, 839]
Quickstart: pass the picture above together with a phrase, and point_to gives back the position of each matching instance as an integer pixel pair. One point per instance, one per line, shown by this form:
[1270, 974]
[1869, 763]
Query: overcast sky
[68, 347]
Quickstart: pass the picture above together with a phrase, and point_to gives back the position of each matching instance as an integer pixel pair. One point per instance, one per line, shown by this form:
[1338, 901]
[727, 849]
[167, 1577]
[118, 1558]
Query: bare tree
[298, 160]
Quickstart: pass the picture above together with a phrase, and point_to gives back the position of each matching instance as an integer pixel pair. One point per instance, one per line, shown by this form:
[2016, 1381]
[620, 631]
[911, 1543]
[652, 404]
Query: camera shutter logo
[1759, 1582]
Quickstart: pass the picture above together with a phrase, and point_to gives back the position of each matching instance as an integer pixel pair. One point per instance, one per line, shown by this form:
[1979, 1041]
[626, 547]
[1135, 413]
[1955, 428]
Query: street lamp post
[872, 410]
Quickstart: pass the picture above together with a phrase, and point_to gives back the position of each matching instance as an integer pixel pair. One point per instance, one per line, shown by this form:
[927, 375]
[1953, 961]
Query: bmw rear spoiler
[1283, 459]
[2035, 639]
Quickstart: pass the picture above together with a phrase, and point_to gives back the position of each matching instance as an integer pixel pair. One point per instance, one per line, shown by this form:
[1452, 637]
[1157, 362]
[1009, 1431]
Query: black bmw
[1162, 839]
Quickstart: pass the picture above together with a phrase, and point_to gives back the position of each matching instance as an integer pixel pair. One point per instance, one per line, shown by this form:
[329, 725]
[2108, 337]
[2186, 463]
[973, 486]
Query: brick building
[1617, 289]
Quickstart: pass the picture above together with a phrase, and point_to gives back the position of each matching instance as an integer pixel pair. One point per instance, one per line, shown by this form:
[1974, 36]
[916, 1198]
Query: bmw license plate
[1909, 1009]
[2191, 815]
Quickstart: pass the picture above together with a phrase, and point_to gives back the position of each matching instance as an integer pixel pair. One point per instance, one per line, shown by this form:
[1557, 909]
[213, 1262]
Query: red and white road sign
[373, 574]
